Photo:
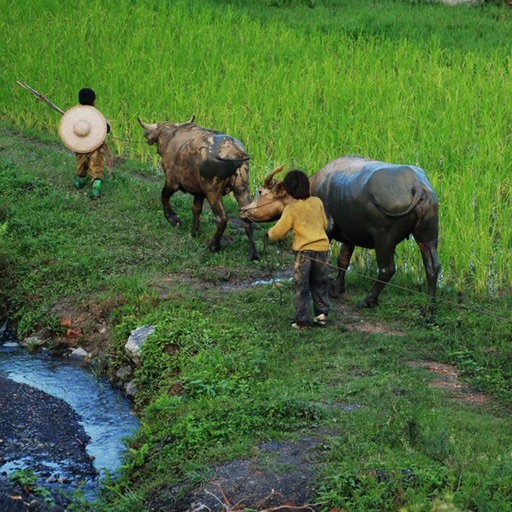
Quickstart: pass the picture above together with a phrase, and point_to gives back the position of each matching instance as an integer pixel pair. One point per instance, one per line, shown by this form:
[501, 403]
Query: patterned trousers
[93, 162]
[310, 281]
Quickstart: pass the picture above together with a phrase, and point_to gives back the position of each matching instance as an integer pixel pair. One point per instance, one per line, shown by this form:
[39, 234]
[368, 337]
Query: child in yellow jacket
[305, 217]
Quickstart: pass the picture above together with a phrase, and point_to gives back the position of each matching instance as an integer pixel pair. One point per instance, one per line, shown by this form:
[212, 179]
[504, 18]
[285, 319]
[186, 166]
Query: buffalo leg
[386, 263]
[426, 236]
[169, 213]
[243, 198]
[222, 220]
[197, 208]
[253, 252]
[432, 266]
[337, 286]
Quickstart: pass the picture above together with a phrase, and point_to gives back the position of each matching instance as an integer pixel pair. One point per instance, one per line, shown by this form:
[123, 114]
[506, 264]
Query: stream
[104, 412]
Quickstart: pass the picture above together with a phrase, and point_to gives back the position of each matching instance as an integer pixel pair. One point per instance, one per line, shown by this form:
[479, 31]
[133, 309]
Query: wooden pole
[40, 97]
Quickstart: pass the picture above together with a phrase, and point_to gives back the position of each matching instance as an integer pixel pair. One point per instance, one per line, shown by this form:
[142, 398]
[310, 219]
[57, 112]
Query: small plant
[28, 481]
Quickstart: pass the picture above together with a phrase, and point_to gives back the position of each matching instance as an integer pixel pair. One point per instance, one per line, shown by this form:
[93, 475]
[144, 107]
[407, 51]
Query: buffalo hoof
[429, 313]
[367, 303]
[173, 219]
[213, 247]
[254, 256]
[334, 289]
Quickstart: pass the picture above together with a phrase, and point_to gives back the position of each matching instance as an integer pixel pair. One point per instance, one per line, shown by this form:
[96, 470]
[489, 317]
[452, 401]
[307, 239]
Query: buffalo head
[152, 131]
[270, 201]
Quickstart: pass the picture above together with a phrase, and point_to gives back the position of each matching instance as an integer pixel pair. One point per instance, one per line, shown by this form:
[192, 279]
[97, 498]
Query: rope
[271, 268]
[128, 140]
[398, 287]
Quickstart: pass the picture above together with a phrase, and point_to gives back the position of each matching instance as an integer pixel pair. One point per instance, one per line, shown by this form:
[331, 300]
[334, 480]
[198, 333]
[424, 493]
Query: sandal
[320, 319]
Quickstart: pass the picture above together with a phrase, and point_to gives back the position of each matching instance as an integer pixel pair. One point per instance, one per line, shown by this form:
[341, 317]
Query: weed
[28, 480]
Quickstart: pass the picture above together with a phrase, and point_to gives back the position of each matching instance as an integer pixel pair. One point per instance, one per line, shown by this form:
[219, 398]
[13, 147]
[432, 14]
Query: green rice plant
[306, 97]
[299, 94]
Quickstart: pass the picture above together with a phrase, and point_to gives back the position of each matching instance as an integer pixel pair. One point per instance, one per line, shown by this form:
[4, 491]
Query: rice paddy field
[300, 83]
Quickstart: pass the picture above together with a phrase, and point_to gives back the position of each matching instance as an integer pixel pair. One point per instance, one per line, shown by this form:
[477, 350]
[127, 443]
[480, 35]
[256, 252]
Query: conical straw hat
[83, 129]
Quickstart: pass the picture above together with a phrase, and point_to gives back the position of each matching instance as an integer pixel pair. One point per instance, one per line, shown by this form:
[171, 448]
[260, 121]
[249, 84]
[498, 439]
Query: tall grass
[299, 87]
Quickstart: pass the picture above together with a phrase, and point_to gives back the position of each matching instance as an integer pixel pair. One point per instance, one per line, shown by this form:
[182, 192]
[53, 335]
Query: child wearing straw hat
[83, 129]
[305, 218]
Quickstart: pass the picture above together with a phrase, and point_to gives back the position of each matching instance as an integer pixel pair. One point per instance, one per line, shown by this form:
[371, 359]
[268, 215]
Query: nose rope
[259, 206]
[271, 268]
[374, 279]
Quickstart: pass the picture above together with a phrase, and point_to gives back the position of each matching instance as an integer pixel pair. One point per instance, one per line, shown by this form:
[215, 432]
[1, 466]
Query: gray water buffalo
[206, 164]
[369, 204]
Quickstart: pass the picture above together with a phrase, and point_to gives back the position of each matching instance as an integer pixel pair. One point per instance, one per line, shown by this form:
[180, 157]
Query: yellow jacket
[306, 218]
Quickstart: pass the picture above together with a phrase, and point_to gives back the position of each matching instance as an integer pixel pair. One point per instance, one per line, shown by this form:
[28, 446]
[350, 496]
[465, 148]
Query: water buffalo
[369, 204]
[206, 164]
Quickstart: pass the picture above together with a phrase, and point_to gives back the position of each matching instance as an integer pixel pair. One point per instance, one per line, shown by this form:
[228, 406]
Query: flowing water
[105, 413]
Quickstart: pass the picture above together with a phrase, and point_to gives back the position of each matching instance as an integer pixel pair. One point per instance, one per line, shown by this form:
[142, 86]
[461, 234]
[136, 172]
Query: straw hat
[83, 129]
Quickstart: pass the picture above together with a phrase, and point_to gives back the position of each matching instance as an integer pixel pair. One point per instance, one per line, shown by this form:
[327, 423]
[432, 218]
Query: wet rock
[124, 372]
[79, 354]
[33, 341]
[131, 389]
[136, 340]
[60, 351]
[4, 330]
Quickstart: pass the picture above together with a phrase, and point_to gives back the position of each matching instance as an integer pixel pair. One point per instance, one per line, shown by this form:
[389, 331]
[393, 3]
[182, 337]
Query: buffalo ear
[279, 190]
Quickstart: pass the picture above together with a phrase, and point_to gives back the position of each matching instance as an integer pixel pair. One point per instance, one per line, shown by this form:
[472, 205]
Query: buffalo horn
[147, 126]
[191, 120]
[271, 175]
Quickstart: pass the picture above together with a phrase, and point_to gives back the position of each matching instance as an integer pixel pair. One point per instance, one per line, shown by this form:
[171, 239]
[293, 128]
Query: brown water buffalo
[206, 164]
[369, 204]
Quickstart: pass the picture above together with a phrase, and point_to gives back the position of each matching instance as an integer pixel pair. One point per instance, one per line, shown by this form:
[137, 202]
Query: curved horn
[191, 120]
[146, 126]
[271, 175]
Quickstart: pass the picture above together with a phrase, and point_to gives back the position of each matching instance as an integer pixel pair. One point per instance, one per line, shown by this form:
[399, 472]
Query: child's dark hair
[86, 96]
[296, 183]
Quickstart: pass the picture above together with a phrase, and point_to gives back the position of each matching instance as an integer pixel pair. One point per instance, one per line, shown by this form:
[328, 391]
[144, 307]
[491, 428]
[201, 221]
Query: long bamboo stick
[40, 97]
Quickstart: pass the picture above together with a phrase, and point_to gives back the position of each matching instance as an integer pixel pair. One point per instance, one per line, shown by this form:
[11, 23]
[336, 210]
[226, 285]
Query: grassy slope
[247, 376]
